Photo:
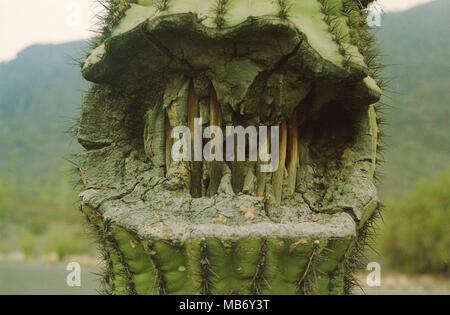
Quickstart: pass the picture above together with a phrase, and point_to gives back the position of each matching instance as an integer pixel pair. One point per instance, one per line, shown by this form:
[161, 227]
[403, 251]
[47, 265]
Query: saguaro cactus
[167, 227]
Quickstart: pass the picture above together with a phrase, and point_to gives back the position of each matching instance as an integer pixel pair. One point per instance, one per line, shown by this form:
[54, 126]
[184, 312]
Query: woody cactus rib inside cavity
[227, 225]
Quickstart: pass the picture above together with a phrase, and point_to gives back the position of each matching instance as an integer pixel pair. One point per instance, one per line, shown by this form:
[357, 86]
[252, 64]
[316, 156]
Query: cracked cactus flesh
[168, 227]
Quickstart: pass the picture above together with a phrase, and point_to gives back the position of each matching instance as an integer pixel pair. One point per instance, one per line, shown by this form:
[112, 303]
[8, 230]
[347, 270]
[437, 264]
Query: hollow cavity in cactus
[218, 227]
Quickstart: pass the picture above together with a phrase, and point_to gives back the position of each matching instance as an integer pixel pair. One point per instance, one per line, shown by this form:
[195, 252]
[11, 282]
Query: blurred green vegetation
[414, 45]
[41, 221]
[59, 238]
[416, 233]
[40, 93]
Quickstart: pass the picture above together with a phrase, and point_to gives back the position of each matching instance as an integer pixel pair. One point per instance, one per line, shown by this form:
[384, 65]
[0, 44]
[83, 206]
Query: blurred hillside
[40, 93]
[417, 45]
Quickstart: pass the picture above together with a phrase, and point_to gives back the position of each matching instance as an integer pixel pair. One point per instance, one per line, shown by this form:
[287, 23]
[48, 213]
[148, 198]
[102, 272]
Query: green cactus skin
[253, 265]
[159, 61]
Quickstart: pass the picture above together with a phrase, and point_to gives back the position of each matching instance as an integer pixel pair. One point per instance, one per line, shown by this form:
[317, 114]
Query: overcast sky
[27, 22]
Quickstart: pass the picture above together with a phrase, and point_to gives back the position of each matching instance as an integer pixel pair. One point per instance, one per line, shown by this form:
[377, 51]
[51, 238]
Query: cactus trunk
[224, 226]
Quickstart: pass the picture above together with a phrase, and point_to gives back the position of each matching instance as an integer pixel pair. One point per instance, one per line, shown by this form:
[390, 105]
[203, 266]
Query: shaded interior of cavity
[127, 161]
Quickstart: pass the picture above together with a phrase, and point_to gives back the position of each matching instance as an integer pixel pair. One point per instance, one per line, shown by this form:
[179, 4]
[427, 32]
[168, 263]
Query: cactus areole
[226, 227]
